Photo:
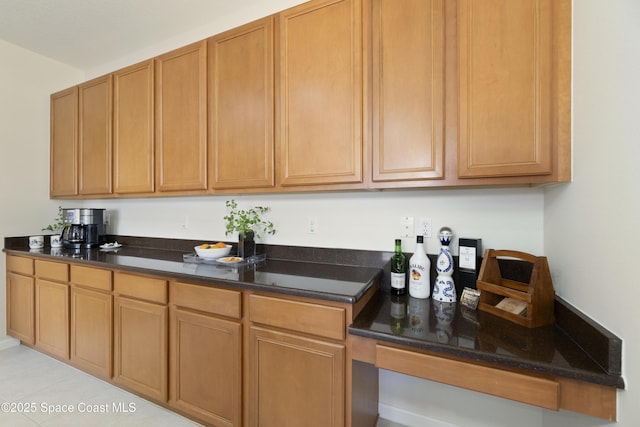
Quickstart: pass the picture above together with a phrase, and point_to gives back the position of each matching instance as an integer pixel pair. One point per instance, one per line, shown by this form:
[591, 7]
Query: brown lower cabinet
[206, 368]
[140, 346]
[92, 331]
[91, 323]
[222, 356]
[20, 307]
[295, 380]
[52, 317]
[52, 307]
[140, 334]
[228, 357]
[205, 371]
[297, 362]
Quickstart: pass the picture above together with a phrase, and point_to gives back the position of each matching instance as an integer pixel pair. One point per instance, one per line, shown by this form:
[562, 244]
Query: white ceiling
[87, 33]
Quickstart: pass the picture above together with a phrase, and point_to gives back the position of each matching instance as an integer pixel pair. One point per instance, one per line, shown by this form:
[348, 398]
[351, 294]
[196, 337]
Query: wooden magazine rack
[538, 294]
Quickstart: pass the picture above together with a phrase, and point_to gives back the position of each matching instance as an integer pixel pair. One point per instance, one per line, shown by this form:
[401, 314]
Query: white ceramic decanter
[444, 289]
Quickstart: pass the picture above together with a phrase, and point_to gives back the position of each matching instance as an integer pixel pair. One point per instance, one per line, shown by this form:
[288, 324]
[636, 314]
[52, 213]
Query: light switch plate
[406, 226]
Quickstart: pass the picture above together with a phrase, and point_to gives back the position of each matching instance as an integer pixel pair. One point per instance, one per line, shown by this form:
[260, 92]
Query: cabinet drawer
[52, 270]
[212, 300]
[497, 382]
[19, 264]
[146, 288]
[304, 317]
[91, 277]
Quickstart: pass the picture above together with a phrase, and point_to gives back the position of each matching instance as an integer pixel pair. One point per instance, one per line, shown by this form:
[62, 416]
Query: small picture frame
[469, 254]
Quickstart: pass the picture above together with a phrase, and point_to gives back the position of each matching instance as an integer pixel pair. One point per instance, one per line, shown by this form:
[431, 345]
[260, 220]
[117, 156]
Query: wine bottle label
[398, 280]
[419, 280]
[417, 271]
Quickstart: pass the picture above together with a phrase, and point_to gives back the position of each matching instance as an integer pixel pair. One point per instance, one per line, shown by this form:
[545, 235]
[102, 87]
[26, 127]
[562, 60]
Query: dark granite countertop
[574, 347]
[330, 282]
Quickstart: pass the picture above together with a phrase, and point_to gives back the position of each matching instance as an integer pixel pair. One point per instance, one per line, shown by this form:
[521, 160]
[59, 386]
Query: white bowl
[212, 253]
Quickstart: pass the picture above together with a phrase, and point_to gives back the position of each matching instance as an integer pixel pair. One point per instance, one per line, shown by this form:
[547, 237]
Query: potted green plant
[248, 223]
[55, 228]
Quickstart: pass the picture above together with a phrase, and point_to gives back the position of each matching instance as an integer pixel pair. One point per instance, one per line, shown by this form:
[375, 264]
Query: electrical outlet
[406, 226]
[185, 222]
[312, 225]
[424, 227]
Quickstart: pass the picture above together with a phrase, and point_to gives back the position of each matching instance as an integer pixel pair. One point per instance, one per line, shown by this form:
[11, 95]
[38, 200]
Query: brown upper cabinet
[133, 129]
[94, 136]
[181, 119]
[408, 95]
[331, 94]
[514, 88]
[319, 83]
[63, 180]
[241, 150]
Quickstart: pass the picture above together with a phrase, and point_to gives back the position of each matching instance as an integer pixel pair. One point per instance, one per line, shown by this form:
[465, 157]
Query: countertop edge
[501, 361]
[237, 284]
[607, 357]
[604, 378]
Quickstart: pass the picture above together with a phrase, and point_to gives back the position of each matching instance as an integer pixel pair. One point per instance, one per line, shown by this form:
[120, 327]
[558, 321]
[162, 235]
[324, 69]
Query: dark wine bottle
[398, 271]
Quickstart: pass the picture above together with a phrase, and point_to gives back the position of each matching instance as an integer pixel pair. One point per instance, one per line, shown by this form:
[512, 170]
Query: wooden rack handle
[512, 254]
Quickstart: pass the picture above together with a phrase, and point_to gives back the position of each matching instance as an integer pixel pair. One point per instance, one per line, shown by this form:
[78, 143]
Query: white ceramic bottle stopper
[444, 289]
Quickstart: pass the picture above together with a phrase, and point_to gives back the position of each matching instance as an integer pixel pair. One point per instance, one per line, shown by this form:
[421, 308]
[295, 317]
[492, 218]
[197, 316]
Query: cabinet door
[320, 93]
[206, 371]
[408, 95]
[133, 129]
[92, 331]
[140, 347]
[505, 87]
[52, 317]
[64, 143]
[295, 381]
[20, 307]
[241, 107]
[95, 108]
[181, 119]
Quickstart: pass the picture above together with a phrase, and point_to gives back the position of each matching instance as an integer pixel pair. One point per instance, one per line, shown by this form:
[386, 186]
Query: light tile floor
[37, 390]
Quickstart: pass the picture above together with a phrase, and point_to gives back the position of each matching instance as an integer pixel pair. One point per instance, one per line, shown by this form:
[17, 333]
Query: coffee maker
[83, 228]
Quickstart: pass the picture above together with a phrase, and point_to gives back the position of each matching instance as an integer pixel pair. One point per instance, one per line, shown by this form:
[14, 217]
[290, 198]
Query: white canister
[36, 242]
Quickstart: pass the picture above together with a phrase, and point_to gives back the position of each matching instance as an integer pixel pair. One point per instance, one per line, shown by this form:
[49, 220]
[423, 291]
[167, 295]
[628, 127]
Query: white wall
[504, 218]
[26, 81]
[243, 13]
[570, 223]
[590, 225]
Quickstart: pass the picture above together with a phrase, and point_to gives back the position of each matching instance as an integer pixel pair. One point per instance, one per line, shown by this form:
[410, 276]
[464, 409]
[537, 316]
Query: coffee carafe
[83, 228]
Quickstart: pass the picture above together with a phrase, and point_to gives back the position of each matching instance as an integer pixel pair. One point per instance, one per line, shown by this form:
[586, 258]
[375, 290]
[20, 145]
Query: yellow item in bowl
[218, 245]
[211, 251]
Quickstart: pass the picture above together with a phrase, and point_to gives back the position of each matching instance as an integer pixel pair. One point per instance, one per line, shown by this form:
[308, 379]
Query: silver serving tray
[194, 258]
